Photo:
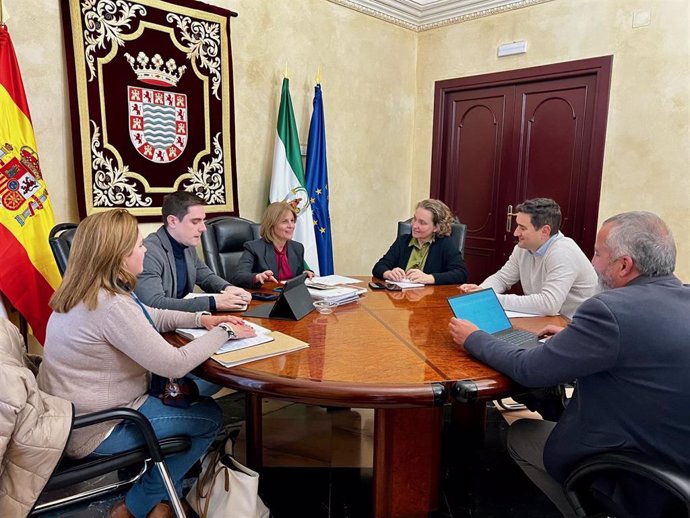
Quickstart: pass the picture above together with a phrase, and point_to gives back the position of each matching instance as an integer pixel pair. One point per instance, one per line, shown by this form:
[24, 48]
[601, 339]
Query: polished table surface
[390, 351]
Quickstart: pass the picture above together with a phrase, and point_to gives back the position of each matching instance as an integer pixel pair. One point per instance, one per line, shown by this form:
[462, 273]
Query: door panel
[502, 138]
[477, 136]
[551, 148]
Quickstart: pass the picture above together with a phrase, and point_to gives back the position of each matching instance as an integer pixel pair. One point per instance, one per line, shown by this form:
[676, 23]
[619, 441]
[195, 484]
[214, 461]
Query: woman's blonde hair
[272, 216]
[96, 260]
[440, 214]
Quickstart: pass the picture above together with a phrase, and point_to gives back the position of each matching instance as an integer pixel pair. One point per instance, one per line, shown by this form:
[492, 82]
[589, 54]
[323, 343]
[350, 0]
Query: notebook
[483, 309]
[262, 336]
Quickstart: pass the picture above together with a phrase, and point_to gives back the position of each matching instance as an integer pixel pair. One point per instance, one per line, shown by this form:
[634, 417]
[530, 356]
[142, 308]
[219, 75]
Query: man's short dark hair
[542, 211]
[177, 204]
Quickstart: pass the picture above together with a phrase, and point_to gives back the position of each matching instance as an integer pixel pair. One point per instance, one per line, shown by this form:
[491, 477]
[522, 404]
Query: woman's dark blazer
[259, 256]
[444, 261]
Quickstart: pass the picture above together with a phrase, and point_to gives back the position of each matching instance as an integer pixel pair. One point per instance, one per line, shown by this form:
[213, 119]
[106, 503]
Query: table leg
[469, 421]
[254, 427]
[407, 461]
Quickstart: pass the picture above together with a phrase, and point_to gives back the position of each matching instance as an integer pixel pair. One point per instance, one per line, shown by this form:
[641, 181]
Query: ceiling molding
[422, 15]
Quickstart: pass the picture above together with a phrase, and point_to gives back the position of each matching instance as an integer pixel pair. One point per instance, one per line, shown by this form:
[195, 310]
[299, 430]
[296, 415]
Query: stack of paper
[331, 280]
[262, 336]
[265, 344]
[280, 344]
[338, 295]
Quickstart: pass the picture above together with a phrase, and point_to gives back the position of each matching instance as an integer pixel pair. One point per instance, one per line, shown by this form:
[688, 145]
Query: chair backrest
[223, 242]
[60, 240]
[625, 484]
[457, 234]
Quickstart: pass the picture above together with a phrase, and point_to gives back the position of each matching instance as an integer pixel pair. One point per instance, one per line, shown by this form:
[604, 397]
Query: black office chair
[626, 485]
[223, 242]
[73, 471]
[458, 231]
[70, 472]
[60, 240]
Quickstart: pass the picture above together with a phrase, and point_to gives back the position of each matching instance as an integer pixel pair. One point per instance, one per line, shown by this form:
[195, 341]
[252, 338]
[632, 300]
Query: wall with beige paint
[378, 82]
[647, 154]
[367, 72]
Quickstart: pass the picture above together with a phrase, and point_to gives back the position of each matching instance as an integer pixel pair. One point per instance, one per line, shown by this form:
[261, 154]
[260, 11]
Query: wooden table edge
[329, 393]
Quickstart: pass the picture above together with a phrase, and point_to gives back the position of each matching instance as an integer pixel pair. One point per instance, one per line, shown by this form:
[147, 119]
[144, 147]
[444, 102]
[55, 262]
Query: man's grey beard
[601, 285]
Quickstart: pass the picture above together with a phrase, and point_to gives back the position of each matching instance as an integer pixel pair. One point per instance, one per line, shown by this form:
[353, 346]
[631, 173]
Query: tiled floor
[333, 451]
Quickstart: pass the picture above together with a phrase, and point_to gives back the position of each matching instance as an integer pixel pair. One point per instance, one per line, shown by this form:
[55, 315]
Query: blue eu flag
[317, 185]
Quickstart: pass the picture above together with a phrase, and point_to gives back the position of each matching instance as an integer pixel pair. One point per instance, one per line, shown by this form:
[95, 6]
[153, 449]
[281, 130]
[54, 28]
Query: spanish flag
[28, 273]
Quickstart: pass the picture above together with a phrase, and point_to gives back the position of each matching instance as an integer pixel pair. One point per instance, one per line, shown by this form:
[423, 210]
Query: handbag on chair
[226, 488]
[177, 392]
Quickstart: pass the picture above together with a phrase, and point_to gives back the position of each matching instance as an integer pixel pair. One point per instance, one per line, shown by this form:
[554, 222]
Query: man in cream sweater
[555, 274]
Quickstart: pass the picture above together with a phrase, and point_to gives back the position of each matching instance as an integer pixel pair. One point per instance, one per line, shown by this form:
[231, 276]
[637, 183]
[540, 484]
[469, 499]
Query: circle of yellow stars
[312, 201]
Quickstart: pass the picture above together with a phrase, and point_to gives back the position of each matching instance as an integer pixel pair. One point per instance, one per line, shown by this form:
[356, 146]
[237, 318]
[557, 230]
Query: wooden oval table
[392, 352]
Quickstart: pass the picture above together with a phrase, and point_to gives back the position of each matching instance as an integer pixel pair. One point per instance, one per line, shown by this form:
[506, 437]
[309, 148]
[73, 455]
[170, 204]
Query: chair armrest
[126, 414]
[665, 475]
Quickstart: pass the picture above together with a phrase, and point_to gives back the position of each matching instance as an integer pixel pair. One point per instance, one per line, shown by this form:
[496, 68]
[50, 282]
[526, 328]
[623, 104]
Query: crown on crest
[155, 71]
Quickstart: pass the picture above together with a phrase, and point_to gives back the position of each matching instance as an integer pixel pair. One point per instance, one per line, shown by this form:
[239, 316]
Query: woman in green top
[427, 255]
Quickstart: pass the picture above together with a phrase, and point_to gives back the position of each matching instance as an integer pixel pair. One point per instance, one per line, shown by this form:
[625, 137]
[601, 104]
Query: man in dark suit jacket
[172, 267]
[628, 348]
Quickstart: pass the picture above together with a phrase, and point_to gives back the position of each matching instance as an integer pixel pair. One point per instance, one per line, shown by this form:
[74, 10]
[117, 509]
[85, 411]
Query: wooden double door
[502, 138]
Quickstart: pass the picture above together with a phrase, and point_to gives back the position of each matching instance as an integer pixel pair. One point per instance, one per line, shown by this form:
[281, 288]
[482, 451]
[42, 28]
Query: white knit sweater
[555, 283]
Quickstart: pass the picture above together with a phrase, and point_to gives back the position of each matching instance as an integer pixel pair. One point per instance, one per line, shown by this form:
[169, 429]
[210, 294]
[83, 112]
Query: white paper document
[332, 280]
[518, 314]
[235, 345]
[405, 284]
[194, 295]
[261, 337]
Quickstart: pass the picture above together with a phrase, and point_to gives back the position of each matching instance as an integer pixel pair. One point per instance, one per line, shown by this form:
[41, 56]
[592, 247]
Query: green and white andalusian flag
[287, 181]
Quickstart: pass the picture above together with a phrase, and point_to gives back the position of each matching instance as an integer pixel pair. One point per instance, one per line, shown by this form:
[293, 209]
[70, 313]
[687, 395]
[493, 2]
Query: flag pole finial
[318, 75]
[285, 74]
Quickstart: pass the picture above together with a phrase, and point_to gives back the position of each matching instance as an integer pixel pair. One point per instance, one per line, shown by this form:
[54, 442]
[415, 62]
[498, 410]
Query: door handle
[509, 221]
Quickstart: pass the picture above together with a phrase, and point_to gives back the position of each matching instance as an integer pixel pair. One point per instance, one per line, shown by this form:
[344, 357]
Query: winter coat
[34, 428]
